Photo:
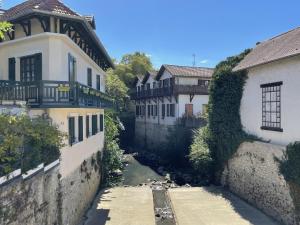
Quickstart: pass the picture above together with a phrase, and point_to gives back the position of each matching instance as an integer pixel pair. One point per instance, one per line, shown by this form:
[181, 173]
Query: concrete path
[123, 206]
[213, 206]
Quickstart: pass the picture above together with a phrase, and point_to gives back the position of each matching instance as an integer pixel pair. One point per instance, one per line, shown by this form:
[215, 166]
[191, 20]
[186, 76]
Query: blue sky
[171, 31]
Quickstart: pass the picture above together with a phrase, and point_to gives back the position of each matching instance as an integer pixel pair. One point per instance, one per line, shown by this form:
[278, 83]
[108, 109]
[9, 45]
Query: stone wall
[30, 201]
[45, 198]
[78, 191]
[150, 135]
[253, 174]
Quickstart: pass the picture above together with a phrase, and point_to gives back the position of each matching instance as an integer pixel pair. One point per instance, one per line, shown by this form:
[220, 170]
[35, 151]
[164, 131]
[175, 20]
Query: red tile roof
[53, 6]
[279, 47]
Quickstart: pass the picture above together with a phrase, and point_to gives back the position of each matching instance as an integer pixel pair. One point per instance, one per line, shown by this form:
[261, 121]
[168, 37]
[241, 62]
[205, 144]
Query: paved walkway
[211, 206]
[123, 206]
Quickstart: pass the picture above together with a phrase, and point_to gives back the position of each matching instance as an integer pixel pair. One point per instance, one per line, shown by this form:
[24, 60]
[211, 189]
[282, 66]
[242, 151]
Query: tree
[4, 27]
[132, 65]
[117, 89]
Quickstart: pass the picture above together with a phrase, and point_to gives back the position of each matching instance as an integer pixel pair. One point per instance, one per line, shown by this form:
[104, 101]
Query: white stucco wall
[73, 156]
[198, 102]
[287, 71]
[52, 46]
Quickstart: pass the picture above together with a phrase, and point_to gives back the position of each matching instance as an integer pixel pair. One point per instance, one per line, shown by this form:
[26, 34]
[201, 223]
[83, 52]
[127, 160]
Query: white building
[53, 61]
[162, 97]
[270, 104]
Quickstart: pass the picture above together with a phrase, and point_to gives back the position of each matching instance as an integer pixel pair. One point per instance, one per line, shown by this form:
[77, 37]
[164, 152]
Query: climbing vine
[224, 132]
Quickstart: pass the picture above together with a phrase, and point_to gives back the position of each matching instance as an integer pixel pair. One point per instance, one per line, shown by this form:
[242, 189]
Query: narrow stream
[136, 174]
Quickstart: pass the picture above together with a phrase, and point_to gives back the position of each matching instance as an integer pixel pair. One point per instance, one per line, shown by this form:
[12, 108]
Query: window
[172, 110]
[87, 126]
[148, 86]
[31, 68]
[98, 82]
[155, 110]
[101, 123]
[168, 110]
[203, 83]
[271, 106]
[71, 130]
[89, 77]
[72, 68]
[152, 114]
[12, 69]
[80, 128]
[137, 110]
[94, 124]
[163, 110]
[149, 110]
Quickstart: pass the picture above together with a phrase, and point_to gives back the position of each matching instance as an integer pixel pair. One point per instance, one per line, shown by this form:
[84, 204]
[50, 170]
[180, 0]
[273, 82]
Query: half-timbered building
[163, 97]
[53, 61]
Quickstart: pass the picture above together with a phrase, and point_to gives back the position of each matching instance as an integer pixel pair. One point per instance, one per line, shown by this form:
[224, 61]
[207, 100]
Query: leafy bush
[290, 168]
[200, 157]
[26, 142]
[112, 154]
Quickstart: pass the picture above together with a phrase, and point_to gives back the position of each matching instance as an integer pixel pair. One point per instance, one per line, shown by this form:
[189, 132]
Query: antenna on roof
[194, 57]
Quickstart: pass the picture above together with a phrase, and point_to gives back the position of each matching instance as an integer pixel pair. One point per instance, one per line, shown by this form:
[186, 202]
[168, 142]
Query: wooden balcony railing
[43, 94]
[169, 91]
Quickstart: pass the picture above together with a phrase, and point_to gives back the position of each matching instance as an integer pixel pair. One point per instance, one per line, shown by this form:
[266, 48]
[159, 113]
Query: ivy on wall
[224, 132]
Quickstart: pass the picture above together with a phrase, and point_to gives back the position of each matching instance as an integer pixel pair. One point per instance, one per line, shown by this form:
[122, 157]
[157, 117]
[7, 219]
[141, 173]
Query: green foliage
[26, 143]
[290, 168]
[216, 143]
[132, 65]
[200, 156]
[128, 133]
[112, 154]
[224, 125]
[4, 27]
[117, 89]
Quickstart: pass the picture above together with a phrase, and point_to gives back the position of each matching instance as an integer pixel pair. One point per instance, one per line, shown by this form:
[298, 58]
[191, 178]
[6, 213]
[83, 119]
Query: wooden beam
[26, 25]
[45, 23]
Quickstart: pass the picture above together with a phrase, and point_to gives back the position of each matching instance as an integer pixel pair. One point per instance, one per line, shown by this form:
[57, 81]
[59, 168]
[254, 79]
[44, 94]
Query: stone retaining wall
[150, 135]
[44, 198]
[253, 174]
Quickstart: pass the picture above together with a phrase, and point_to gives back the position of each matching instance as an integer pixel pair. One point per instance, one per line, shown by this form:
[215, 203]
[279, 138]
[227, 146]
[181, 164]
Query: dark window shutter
[71, 130]
[38, 67]
[80, 128]
[12, 69]
[87, 126]
[101, 123]
[98, 82]
[89, 77]
[94, 124]
[163, 110]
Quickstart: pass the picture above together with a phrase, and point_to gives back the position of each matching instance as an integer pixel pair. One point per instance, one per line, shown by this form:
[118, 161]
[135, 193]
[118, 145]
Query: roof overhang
[82, 20]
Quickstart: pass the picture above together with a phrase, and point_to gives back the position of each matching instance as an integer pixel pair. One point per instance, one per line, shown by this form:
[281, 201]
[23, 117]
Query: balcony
[169, 91]
[53, 94]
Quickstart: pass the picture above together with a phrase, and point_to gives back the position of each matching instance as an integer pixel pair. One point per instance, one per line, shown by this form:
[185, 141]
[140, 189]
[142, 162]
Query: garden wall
[253, 174]
[44, 198]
